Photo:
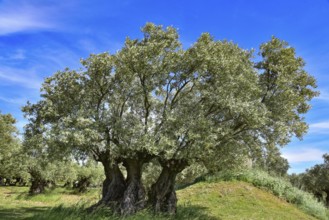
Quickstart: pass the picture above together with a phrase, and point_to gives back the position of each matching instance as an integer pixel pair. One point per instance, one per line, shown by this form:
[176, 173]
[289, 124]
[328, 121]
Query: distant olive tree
[88, 175]
[12, 167]
[316, 180]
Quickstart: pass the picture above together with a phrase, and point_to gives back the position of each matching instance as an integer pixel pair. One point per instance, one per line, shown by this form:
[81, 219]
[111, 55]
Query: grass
[239, 200]
[204, 200]
[15, 203]
[277, 186]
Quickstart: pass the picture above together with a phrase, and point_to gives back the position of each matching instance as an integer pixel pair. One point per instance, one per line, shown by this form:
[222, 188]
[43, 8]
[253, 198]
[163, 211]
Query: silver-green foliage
[156, 97]
[315, 180]
[11, 160]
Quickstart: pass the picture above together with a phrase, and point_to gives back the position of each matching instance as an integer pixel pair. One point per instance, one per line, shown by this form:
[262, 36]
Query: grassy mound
[277, 186]
[239, 200]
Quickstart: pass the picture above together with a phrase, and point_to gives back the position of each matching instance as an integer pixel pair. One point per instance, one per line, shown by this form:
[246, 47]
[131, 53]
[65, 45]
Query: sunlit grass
[239, 200]
[204, 200]
[16, 203]
[279, 187]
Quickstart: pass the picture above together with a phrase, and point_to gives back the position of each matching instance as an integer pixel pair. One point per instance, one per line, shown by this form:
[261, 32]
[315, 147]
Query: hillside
[221, 200]
[238, 200]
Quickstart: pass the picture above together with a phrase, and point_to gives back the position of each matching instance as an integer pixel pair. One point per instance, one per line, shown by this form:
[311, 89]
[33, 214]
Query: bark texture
[114, 185]
[162, 196]
[113, 188]
[125, 196]
[134, 195]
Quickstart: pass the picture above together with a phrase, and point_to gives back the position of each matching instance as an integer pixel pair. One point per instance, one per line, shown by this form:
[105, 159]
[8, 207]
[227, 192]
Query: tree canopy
[315, 180]
[10, 158]
[155, 100]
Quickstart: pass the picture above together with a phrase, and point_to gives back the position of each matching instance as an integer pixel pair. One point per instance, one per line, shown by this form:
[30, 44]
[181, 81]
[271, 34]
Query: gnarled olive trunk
[38, 186]
[125, 196]
[113, 188]
[38, 183]
[114, 184]
[162, 196]
[134, 195]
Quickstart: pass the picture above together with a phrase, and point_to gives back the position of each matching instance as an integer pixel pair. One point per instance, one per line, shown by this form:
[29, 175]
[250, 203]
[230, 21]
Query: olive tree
[11, 162]
[88, 174]
[316, 180]
[47, 166]
[155, 101]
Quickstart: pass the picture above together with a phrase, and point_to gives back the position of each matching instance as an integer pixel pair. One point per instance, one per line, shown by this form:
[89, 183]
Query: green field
[220, 200]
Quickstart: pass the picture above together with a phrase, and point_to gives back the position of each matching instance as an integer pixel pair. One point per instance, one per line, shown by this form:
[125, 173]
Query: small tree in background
[316, 180]
[89, 174]
[12, 167]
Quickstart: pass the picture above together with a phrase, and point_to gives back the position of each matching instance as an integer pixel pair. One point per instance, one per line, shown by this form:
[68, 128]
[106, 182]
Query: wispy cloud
[18, 54]
[20, 16]
[26, 78]
[303, 155]
[15, 101]
[320, 127]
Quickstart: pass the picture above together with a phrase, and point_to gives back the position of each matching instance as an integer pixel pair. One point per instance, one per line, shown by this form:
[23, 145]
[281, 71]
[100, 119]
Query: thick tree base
[134, 195]
[162, 196]
[38, 187]
[113, 189]
[123, 196]
[133, 198]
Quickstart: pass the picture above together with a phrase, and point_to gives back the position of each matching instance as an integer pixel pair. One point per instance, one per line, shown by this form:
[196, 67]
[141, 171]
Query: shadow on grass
[194, 212]
[79, 212]
[21, 213]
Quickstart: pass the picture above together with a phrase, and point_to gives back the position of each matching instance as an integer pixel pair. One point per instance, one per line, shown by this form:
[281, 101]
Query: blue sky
[39, 37]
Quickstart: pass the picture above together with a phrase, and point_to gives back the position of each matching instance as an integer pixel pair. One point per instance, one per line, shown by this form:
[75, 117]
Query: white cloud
[18, 54]
[303, 155]
[26, 78]
[16, 101]
[320, 127]
[20, 16]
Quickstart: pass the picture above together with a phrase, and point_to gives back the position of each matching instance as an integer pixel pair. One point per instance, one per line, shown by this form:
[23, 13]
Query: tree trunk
[134, 195]
[162, 196]
[123, 196]
[113, 188]
[38, 183]
[82, 184]
[38, 186]
[326, 198]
